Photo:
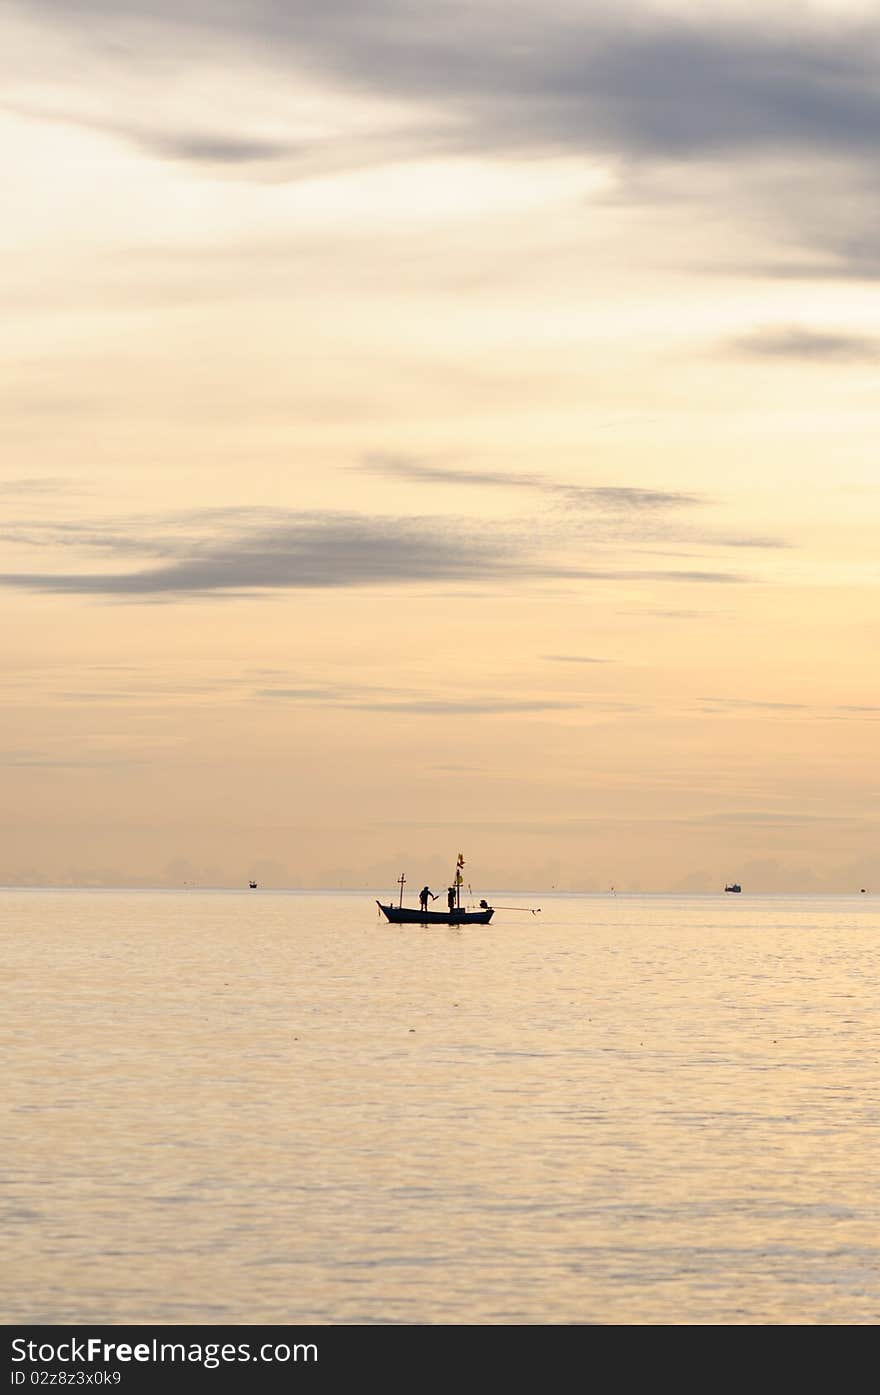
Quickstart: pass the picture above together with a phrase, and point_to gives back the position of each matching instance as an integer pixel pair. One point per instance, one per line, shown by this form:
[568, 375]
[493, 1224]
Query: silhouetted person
[450, 898]
[423, 897]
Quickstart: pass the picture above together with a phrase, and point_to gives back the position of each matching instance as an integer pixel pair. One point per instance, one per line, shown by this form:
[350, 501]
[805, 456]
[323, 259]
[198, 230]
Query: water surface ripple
[266, 1107]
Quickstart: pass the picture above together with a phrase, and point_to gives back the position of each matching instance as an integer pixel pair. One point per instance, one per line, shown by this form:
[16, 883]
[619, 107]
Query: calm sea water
[264, 1107]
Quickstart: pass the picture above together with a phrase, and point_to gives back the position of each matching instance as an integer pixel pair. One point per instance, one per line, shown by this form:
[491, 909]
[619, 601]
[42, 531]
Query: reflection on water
[276, 1108]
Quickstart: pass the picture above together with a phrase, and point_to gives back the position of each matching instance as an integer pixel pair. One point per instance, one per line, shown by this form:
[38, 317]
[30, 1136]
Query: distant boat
[734, 886]
[252, 885]
[456, 914]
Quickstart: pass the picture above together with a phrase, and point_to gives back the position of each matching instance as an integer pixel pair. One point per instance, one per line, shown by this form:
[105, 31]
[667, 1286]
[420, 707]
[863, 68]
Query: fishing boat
[734, 886]
[408, 915]
[455, 914]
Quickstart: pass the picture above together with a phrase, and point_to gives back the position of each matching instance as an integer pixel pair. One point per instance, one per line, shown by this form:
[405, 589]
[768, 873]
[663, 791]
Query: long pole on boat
[402, 880]
[532, 910]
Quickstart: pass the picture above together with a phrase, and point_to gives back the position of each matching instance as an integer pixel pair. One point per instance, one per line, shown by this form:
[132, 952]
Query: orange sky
[429, 429]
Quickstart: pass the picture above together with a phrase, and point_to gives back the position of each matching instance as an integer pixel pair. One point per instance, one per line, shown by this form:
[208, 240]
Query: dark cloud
[836, 259]
[625, 498]
[39, 485]
[235, 155]
[634, 574]
[611, 513]
[794, 342]
[307, 551]
[553, 75]
[573, 659]
[218, 146]
[25, 760]
[835, 712]
[465, 706]
[144, 692]
[769, 817]
[260, 550]
[402, 467]
[85, 538]
[617, 498]
[759, 542]
[218, 149]
[404, 703]
[747, 704]
[641, 89]
[676, 614]
[302, 694]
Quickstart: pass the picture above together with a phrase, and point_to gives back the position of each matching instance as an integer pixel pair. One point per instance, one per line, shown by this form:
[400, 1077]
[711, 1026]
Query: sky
[438, 427]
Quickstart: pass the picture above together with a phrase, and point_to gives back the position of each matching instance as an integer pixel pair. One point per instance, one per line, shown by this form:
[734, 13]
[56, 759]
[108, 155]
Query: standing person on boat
[423, 897]
[450, 897]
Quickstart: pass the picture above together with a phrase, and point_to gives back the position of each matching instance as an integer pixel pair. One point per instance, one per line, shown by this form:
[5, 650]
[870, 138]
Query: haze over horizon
[438, 427]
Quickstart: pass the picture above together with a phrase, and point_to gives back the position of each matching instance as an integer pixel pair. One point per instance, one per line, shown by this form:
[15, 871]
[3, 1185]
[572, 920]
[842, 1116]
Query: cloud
[678, 613]
[226, 150]
[306, 550]
[466, 706]
[39, 485]
[616, 498]
[801, 344]
[413, 703]
[719, 706]
[301, 694]
[756, 541]
[769, 817]
[611, 513]
[782, 118]
[637, 83]
[753, 704]
[573, 659]
[264, 550]
[402, 467]
[217, 148]
[26, 760]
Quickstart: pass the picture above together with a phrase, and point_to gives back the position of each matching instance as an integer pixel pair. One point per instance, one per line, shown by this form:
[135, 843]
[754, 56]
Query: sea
[272, 1107]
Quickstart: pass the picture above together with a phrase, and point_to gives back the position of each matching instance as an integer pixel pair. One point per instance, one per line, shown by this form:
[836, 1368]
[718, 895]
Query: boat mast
[402, 880]
[458, 880]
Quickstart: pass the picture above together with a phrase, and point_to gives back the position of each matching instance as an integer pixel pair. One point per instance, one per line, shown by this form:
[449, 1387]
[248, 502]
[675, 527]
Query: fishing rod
[532, 910]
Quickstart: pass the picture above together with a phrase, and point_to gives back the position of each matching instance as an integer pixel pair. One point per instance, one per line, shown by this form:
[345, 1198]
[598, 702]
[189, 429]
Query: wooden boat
[734, 886]
[406, 915]
[455, 915]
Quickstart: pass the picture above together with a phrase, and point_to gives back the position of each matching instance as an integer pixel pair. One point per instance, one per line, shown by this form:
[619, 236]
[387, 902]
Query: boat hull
[405, 915]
